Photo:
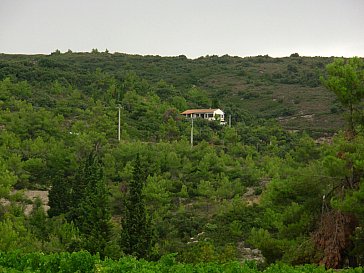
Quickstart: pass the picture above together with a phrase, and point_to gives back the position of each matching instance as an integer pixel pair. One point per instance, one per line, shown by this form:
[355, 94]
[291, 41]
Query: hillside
[287, 89]
[253, 191]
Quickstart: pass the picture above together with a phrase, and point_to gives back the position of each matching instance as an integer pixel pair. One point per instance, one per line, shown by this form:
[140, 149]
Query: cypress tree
[136, 231]
[59, 196]
[90, 210]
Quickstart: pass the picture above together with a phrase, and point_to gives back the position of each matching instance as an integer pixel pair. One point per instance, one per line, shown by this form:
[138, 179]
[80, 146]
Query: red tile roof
[198, 111]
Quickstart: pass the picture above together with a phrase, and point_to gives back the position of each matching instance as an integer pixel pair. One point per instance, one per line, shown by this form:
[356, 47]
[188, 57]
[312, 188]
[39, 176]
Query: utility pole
[119, 123]
[191, 131]
[229, 121]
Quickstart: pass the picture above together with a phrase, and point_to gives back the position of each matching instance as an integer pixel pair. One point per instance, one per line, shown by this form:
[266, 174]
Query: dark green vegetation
[254, 185]
[83, 262]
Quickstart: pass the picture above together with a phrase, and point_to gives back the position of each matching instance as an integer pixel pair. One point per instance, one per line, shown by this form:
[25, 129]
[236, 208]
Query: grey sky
[190, 27]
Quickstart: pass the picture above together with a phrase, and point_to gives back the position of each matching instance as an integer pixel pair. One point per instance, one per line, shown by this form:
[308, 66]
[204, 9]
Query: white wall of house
[213, 115]
[220, 114]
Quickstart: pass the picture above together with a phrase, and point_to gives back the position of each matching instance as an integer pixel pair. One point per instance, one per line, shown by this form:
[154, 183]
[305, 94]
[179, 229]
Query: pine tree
[136, 233]
[346, 79]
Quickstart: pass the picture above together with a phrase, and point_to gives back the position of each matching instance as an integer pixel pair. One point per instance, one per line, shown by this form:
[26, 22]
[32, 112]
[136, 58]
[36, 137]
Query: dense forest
[280, 186]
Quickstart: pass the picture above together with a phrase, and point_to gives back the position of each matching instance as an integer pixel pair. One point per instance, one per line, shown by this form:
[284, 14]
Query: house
[209, 114]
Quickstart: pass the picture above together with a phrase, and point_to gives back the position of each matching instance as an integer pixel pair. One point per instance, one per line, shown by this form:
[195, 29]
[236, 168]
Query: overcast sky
[190, 27]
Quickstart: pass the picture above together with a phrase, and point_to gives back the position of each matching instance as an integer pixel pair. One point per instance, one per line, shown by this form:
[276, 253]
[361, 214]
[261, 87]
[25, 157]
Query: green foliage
[107, 77]
[15, 236]
[85, 262]
[346, 79]
[60, 196]
[236, 228]
[297, 199]
[199, 98]
[91, 207]
[54, 111]
[136, 238]
[8, 179]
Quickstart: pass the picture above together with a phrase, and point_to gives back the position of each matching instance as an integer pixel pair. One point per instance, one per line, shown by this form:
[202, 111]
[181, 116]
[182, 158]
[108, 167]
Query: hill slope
[287, 89]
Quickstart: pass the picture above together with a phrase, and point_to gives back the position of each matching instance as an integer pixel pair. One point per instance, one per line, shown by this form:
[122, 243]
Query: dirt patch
[32, 196]
[250, 197]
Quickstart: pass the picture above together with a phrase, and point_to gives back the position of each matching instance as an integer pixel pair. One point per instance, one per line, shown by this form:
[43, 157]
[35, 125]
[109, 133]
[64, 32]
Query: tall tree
[59, 196]
[136, 230]
[90, 205]
[346, 79]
